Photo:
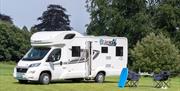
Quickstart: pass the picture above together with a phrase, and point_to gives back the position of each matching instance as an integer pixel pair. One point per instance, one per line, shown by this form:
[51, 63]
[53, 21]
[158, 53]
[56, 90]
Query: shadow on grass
[64, 82]
[140, 86]
[146, 86]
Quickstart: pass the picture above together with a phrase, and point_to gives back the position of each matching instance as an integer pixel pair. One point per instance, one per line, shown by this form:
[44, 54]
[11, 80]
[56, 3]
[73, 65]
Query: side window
[76, 51]
[119, 51]
[104, 49]
[55, 55]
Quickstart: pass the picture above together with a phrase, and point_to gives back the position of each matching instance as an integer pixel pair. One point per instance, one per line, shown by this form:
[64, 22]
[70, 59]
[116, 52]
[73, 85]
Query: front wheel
[100, 77]
[44, 78]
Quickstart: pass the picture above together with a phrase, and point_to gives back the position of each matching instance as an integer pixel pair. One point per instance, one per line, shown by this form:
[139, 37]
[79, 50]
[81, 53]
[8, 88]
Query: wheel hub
[46, 79]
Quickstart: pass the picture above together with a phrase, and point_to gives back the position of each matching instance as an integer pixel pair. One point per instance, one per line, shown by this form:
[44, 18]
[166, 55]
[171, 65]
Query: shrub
[155, 53]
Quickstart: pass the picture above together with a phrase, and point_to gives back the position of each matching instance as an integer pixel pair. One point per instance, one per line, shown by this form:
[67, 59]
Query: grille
[22, 70]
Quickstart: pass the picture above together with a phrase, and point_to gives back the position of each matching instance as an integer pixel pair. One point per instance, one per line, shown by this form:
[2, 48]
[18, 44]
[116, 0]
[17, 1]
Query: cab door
[54, 62]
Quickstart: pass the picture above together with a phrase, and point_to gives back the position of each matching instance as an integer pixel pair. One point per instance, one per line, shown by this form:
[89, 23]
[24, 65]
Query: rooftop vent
[69, 36]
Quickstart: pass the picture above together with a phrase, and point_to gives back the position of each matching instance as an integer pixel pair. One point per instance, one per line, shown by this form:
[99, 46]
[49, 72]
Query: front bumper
[31, 74]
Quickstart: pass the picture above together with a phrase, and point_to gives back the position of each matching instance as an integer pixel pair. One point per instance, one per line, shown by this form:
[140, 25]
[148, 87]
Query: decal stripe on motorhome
[96, 54]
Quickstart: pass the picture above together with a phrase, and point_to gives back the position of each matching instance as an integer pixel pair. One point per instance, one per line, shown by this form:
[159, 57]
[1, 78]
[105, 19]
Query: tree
[6, 18]
[126, 18]
[123, 18]
[134, 19]
[167, 16]
[25, 28]
[33, 30]
[14, 42]
[54, 19]
[154, 53]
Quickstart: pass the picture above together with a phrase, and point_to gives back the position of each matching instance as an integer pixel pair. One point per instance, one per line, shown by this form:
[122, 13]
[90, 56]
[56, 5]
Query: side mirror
[50, 59]
[61, 63]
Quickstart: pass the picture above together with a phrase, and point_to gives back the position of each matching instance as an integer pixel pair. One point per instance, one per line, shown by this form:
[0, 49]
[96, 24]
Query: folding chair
[133, 79]
[162, 79]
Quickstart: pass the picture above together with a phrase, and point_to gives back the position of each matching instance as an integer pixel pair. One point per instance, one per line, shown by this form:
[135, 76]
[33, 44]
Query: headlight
[34, 65]
[32, 71]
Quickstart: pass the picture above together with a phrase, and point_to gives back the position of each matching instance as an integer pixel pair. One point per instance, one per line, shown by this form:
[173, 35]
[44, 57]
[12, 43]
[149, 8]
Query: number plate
[20, 75]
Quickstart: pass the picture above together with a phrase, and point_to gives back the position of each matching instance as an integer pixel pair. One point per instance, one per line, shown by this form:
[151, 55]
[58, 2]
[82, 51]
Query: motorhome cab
[68, 55]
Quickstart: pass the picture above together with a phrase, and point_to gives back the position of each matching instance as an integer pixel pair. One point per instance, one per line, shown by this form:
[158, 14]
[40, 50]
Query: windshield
[36, 53]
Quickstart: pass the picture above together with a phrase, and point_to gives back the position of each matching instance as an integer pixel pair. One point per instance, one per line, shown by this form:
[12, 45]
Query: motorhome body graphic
[109, 43]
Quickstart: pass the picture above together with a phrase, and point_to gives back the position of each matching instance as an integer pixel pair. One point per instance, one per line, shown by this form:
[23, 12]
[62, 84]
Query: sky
[26, 12]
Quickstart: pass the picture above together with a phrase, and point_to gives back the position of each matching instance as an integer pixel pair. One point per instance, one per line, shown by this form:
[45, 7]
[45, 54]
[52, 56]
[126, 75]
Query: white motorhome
[68, 55]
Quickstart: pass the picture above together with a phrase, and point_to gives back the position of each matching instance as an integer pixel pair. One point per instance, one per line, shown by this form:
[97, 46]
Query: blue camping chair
[162, 79]
[133, 79]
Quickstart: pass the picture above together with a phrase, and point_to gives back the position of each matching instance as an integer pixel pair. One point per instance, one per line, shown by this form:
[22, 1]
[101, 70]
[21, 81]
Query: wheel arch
[101, 71]
[47, 71]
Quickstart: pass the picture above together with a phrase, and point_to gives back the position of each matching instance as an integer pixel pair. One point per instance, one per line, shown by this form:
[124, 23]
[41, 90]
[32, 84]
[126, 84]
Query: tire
[100, 77]
[44, 78]
[23, 81]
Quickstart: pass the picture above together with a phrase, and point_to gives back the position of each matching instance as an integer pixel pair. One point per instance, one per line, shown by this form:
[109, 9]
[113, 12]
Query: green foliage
[14, 42]
[5, 18]
[54, 19]
[155, 53]
[134, 19]
[127, 18]
[33, 30]
[25, 28]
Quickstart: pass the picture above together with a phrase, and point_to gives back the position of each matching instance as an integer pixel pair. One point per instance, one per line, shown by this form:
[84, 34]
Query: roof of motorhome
[91, 36]
[54, 33]
[46, 37]
[60, 37]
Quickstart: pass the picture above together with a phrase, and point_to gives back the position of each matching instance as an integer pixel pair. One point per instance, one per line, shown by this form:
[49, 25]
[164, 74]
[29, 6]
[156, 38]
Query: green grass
[8, 83]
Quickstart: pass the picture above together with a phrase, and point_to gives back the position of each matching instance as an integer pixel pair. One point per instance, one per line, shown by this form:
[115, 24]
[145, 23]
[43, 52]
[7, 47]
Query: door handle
[61, 63]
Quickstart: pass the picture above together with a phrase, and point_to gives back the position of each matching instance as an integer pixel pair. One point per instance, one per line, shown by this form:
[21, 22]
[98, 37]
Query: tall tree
[119, 18]
[167, 17]
[14, 42]
[134, 19]
[54, 19]
[33, 30]
[6, 18]
[25, 28]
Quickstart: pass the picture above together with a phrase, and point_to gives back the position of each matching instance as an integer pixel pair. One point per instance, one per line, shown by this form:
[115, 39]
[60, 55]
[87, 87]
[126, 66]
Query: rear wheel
[100, 77]
[23, 81]
[44, 78]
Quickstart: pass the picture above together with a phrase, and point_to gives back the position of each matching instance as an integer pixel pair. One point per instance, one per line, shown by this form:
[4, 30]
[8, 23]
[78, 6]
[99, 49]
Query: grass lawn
[8, 83]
